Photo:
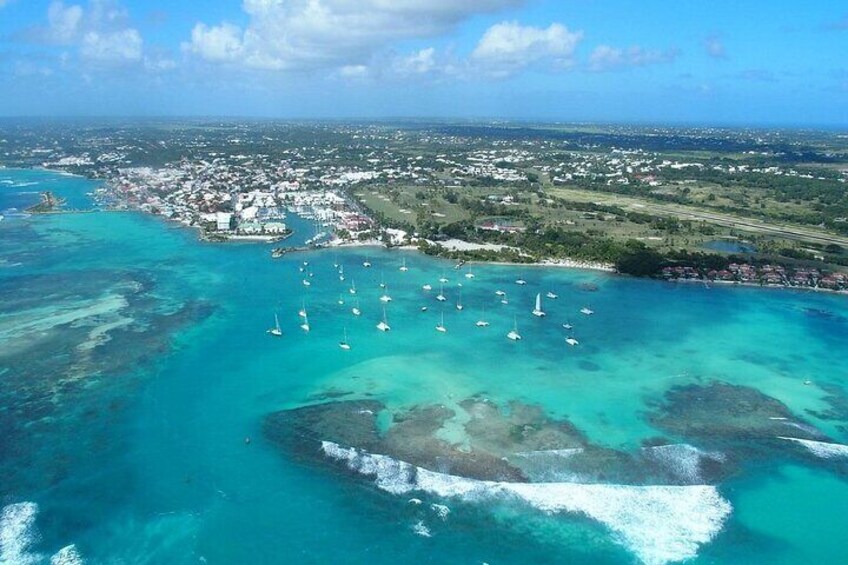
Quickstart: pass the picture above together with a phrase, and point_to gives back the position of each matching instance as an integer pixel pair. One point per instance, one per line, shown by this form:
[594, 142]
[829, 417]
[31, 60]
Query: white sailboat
[382, 280]
[537, 311]
[305, 325]
[513, 334]
[504, 299]
[469, 276]
[482, 323]
[352, 288]
[443, 279]
[403, 267]
[427, 287]
[571, 341]
[441, 296]
[500, 293]
[459, 301]
[366, 263]
[343, 343]
[586, 310]
[520, 282]
[386, 298]
[341, 300]
[441, 326]
[302, 311]
[567, 325]
[341, 274]
[306, 282]
[355, 310]
[384, 326]
[276, 331]
[552, 295]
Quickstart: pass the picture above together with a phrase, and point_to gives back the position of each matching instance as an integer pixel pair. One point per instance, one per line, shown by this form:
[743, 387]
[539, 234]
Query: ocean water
[134, 363]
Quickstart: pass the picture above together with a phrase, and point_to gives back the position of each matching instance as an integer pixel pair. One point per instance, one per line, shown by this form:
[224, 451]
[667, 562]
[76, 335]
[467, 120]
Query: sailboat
[384, 326]
[355, 310]
[513, 334]
[500, 293]
[520, 282]
[482, 323]
[382, 280]
[302, 311]
[504, 299]
[441, 326]
[427, 287]
[341, 300]
[469, 276]
[366, 263]
[567, 325]
[336, 261]
[586, 310]
[276, 331]
[306, 282]
[386, 298]
[552, 295]
[537, 311]
[443, 279]
[305, 325]
[343, 343]
[341, 273]
[441, 296]
[403, 267]
[571, 341]
[459, 301]
[352, 288]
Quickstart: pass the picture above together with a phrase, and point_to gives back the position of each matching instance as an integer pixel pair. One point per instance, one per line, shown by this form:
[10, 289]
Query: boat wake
[18, 534]
[659, 524]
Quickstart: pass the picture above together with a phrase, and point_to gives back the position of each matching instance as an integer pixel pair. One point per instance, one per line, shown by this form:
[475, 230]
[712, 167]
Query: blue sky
[652, 61]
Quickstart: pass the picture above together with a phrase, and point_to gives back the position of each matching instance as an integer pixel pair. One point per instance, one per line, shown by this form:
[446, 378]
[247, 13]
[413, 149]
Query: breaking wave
[18, 534]
[681, 459]
[822, 449]
[659, 524]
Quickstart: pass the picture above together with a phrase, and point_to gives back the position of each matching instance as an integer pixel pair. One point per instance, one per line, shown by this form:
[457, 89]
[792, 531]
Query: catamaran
[276, 331]
[520, 282]
[586, 310]
[513, 334]
[443, 279]
[366, 263]
[427, 287]
[384, 326]
[352, 288]
[305, 325]
[441, 326]
[386, 298]
[552, 295]
[403, 267]
[571, 341]
[343, 343]
[441, 296]
[482, 323]
[459, 300]
[302, 311]
[355, 310]
[537, 311]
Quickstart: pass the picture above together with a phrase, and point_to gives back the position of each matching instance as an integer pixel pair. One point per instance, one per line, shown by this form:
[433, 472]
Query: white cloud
[419, 63]
[508, 46]
[605, 58]
[311, 34]
[714, 47]
[122, 46]
[64, 22]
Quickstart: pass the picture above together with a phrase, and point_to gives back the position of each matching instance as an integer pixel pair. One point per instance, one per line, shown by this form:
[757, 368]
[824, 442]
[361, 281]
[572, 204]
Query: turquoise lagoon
[134, 363]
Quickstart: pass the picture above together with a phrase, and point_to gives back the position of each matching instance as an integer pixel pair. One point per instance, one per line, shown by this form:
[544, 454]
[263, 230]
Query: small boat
[587, 311]
[355, 310]
[305, 325]
[513, 334]
[459, 301]
[552, 295]
[441, 296]
[302, 311]
[571, 341]
[341, 300]
[386, 298]
[469, 276]
[384, 326]
[567, 326]
[301, 269]
[427, 287]
[443, 279]
[352, 288]
[366, 263]
[500, 293]
[276, 331]
[306, 282]
[520, 282]
[537, 311]
[423, 308]
[482, 323]
[441, 326]
[343, 343]
[403, 267]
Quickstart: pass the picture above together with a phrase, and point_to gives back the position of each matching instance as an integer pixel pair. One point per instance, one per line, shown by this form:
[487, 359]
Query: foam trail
[821, 449]
[659, 524]
[17, 533]
[68, 555]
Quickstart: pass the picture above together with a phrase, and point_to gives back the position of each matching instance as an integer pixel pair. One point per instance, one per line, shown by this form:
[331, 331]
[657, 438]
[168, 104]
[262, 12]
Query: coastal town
[517, 194]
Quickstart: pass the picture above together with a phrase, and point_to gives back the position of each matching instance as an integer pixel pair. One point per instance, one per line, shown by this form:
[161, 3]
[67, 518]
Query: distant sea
[136, 375]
